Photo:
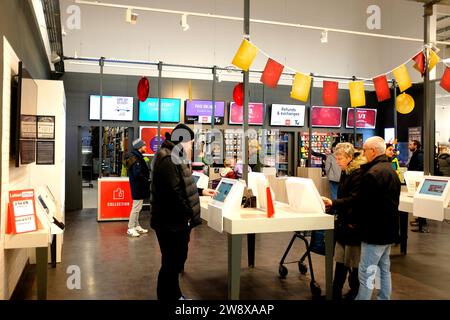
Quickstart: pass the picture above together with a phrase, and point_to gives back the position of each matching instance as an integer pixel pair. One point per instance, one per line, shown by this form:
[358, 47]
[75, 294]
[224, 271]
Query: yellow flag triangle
[402, 77]
[245, 55]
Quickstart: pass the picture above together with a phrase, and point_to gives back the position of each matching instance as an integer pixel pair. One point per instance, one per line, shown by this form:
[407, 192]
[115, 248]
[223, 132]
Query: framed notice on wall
[45, 127]
[27, 151]
[27, 127]
[45, 151]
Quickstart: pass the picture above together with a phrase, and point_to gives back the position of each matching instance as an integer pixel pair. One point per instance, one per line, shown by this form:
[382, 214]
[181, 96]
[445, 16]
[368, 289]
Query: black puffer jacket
[416, 161]
[347, 230]
[174, 195]
[378, 201]
[138, 174]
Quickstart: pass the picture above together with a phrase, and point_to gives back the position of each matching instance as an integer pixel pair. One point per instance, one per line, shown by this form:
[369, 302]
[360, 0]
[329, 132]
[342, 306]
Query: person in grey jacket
[333, 172]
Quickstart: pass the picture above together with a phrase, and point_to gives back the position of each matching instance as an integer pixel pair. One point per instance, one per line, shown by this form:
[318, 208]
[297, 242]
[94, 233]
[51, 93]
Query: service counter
[252, 221]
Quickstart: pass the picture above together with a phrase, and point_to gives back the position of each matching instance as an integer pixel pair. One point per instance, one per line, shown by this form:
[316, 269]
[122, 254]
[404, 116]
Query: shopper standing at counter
[139, 176]
[378, 200]
[348, 242]
[175, 208]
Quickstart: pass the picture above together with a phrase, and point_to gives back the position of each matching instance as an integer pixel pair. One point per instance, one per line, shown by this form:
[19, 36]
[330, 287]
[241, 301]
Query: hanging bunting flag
[445, 80]
[405, 103]
[272, 73]
[433, 59]
[419, 64]
[245, 55]
[402, 77]
[301, 87]
[381, 88]
[357, 96]
[190, 91]
[330, 93]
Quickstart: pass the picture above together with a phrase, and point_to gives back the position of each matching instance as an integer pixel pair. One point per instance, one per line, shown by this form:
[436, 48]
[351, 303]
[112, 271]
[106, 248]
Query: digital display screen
[255, 113]
[223, 191]
[433, 187]
[327, 117]
[201, 111]
[195, 178]
[170, 110]
[287, 115]
[365, 118]
[114, 108]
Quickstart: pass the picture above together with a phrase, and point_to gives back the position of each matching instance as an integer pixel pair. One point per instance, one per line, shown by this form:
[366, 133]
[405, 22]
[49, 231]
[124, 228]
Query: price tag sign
[21, 212]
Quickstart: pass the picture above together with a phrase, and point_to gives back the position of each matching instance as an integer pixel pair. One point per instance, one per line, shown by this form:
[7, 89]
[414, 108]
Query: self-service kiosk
[200, 179]
[431, 197]
[46, 210]
[227, 202]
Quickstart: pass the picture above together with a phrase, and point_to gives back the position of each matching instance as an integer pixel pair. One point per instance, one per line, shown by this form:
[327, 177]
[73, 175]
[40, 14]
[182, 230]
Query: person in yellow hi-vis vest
[391, 153]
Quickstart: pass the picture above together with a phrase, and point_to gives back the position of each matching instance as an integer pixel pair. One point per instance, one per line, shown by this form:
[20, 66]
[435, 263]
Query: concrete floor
[114, 266]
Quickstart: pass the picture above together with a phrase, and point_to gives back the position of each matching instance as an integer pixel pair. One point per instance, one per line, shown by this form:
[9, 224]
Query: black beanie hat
[181, 133]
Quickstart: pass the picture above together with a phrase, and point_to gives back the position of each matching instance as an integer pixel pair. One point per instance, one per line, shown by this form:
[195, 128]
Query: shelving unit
[321, 143]
[115, 146]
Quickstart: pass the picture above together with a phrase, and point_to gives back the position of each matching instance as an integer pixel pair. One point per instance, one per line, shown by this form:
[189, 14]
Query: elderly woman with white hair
[348, 241]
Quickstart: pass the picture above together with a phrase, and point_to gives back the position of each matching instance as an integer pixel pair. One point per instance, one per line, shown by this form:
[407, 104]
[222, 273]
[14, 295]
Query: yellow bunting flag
[190, 91]
[245, 55]
[300, 87]
[357, 96]
[433, 59]
[402, 77]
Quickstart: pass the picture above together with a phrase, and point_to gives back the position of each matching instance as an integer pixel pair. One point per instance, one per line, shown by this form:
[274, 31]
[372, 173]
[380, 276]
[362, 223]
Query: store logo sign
[73, 21]
[374, 20]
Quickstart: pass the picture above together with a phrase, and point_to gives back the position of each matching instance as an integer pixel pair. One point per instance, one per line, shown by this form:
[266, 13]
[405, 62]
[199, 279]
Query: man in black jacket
[378, 201]
[139, 176]
[416, 164]
[175, 208]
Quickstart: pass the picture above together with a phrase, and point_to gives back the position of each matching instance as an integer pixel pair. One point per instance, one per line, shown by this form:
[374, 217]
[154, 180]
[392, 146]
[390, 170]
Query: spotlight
[131, 17]
[183, 22]
[324, 38]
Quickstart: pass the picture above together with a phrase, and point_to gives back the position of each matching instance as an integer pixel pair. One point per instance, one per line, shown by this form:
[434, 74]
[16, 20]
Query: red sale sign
[255, 113]
[114, 196]
[329, 117]
[21, 212]
[150, 136]
[365, 118]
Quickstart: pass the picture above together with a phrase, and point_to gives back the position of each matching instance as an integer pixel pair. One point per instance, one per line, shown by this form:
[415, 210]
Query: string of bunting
[301, 84]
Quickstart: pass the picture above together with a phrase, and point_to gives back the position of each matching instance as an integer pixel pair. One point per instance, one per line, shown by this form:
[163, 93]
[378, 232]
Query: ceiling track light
[324, 37]
[131, 17]
[183, 22]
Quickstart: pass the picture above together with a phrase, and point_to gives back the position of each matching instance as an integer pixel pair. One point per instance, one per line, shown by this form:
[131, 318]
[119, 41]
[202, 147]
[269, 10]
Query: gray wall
[79, 86]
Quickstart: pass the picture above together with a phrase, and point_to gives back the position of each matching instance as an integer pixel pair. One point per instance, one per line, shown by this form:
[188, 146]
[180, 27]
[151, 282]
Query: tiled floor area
[114, 266]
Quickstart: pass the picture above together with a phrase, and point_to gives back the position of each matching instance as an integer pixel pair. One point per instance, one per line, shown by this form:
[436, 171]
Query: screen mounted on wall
[326, 117]
[365, 118]
[255, 113]
[170, 110]
[287, 115]
[200, 111]
[114, 108]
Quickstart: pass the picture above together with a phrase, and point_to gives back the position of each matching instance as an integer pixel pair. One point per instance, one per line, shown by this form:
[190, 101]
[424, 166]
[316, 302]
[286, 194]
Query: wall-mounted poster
[45, 151]
[27, 126]
[150, 136]
[46, 127]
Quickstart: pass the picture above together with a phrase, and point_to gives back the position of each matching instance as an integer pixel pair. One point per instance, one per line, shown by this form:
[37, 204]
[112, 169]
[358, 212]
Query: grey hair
[345, 148]
[377, 143]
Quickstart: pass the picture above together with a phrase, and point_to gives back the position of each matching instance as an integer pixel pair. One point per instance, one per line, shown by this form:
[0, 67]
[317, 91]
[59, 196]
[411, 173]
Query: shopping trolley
[317, 237]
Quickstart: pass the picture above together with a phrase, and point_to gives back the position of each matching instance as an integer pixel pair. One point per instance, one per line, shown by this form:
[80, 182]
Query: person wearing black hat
[175, 207]
[139, 176]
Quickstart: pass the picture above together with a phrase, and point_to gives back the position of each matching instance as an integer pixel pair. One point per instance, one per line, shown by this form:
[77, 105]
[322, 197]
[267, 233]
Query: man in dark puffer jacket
[175, 208]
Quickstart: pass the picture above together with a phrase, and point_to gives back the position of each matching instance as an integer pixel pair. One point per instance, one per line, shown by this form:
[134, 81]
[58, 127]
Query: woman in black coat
[348, 243]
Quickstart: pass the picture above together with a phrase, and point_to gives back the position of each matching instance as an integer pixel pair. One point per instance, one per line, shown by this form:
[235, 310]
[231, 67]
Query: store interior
[82, 80]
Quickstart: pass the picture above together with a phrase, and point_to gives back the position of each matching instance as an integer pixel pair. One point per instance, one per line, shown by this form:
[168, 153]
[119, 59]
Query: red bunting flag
[419, 64]
[381, 88]
[445, 80]
[330, 93]
[272, 73]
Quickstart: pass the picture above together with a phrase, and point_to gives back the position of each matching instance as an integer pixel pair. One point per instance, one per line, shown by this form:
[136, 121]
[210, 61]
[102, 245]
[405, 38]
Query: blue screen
[433, 187]
[170, 110]
[223, 191]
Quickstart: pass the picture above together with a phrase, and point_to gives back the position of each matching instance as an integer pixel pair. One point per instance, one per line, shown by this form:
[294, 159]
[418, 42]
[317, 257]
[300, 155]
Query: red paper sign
[115, 199]
[150, 136]
[381, 88]
[255, 113]
[326, 116]
[330, 92]
[365, 118]
[21, 212]
[272, 73]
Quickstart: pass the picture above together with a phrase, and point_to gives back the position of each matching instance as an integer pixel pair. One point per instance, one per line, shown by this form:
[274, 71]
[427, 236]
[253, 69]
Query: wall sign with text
[365, 118]
[46, 127]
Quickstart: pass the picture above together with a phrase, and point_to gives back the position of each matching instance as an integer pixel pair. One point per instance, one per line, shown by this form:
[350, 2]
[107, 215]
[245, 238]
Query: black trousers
[174, 250]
